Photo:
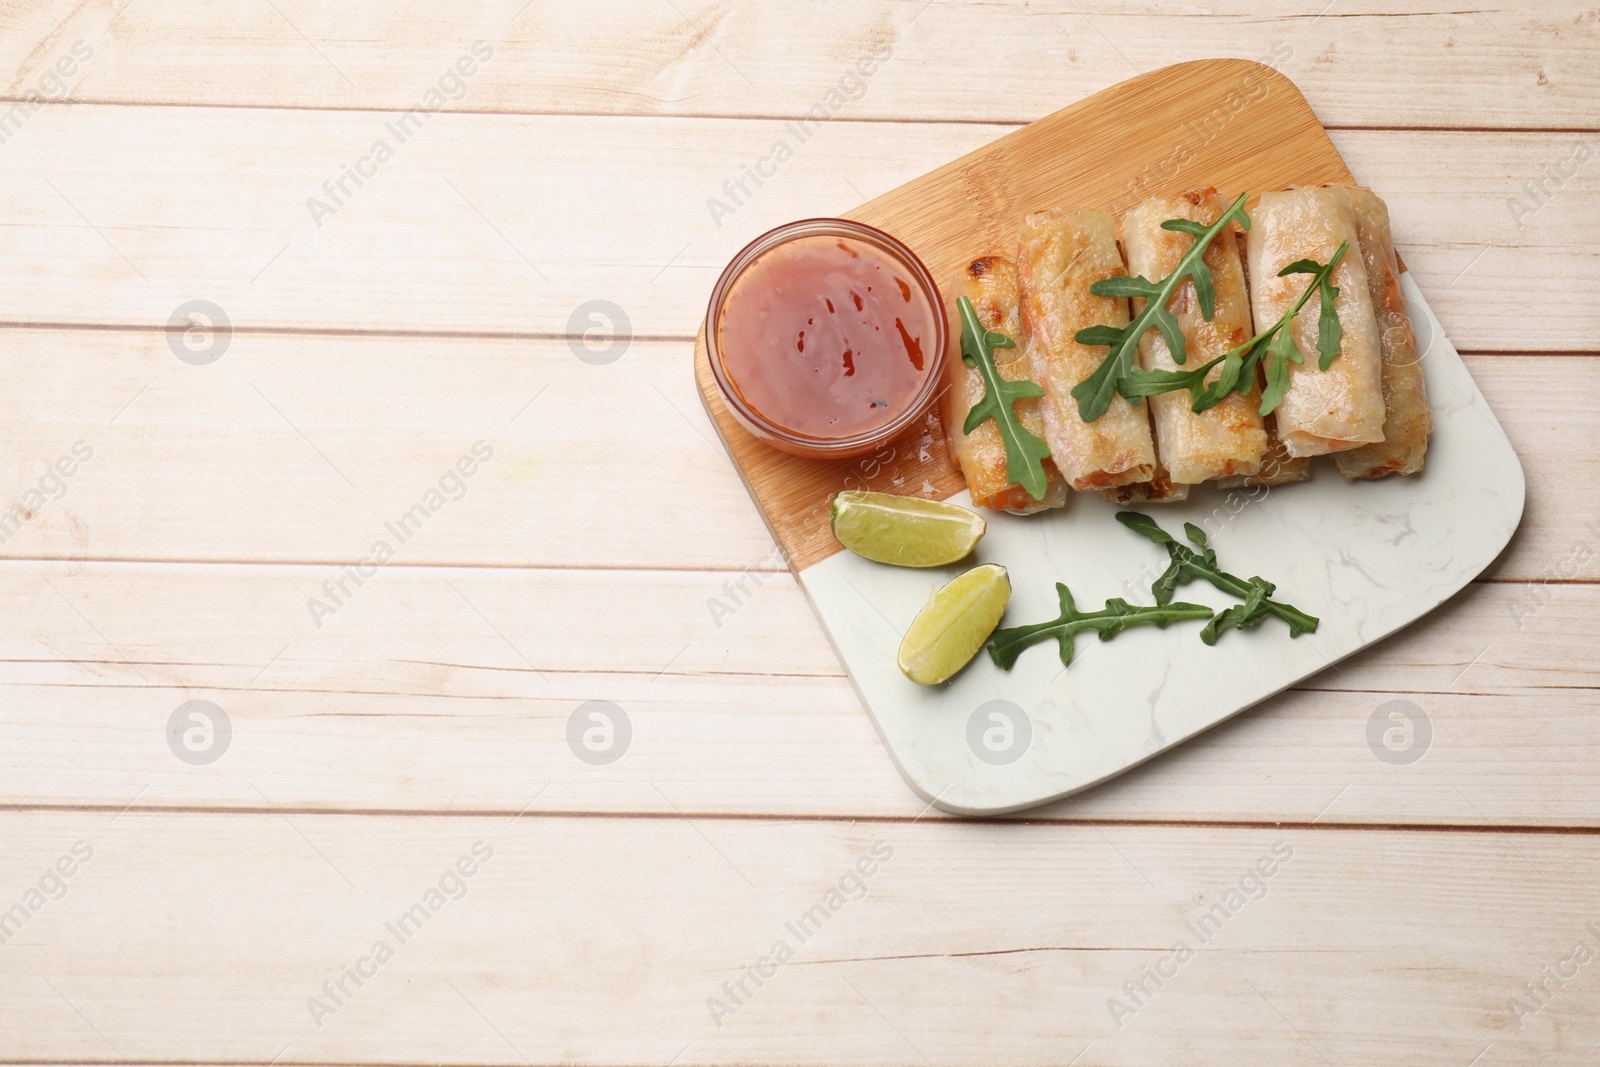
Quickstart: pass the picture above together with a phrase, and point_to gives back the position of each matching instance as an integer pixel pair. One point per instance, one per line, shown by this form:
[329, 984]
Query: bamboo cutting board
[992, 741]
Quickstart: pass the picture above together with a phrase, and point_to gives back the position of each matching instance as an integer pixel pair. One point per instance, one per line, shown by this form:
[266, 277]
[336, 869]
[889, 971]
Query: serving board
[1368, 558]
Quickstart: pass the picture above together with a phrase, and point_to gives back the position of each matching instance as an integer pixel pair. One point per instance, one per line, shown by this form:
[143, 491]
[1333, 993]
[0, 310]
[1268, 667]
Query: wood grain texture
[116, 215]
[1404, 63]
[439, 690]
[246, 454]
[1354, 947]
[417, 319]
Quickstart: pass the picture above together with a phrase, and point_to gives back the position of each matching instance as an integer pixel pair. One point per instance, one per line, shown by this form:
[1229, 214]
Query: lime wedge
[954, 624]
[906, 531]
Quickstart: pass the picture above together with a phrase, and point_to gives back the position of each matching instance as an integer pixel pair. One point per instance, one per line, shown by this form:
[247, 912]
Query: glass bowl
[787, 438]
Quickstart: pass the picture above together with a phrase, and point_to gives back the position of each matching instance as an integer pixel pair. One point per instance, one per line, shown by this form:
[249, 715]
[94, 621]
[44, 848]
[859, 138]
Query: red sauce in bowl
[828, 338]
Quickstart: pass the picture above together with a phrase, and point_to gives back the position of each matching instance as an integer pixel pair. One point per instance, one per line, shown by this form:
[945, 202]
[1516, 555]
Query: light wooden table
[181, 528]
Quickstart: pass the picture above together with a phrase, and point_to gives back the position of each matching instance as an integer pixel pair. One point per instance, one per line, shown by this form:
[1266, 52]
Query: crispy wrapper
[1277, 466]
[1340, 408]
[1062, 252]
[1227, 440]
[1406, 423]
[1160, 489]
[990, 282]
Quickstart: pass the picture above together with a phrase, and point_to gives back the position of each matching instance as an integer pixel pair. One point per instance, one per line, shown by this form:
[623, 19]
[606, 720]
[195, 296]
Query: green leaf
[1246, 616]
[1329, 331]
[1139, 522]
[1025, 451]
[1281, 351]
[1188, 565]
[1141, 383]
[1098, 335]
[1283, 348]
[1094, 394]
[1238, 375]
[1118, 615]
[1123, 285]
[1172, 333]
[1206, 290]
[1276, 345]
[1301, 266]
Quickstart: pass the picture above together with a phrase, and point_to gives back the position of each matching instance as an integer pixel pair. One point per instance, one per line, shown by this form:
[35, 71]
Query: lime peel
[958, 618]
[905, 531]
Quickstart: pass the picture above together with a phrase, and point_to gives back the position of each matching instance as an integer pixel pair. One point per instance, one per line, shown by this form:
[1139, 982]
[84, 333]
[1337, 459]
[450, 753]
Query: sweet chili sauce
[828, 336]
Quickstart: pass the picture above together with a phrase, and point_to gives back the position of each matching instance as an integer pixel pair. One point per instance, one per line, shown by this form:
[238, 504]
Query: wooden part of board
[1234, 124]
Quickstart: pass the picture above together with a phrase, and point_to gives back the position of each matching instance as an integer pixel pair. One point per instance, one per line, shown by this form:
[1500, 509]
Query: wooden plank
[438, 690]
[1351, 945]
[407, 696]
[1412, 63]
[119, 215]
[242, 459]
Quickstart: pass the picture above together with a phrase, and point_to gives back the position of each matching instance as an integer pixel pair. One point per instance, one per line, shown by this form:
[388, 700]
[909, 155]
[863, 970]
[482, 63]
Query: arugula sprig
[1025, 451]
[1276, 345]
[1188, 565]
[1118, 615]
[1094, 393]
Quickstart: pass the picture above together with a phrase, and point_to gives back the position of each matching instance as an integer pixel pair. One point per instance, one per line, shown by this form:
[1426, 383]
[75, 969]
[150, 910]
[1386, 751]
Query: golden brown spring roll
[1160, 489]
[1342, 407]
[990, 282]
[1277, 466]
[1406, 423]
[1062, 252]
[1228, 439]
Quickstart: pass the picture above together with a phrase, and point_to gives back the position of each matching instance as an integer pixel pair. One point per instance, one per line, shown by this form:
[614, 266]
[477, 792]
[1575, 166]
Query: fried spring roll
[1277, 466]
[1342, 407]
[990, 282]
[1406, 423]
[1160, 489]
[1228, 439]
[1062, 252]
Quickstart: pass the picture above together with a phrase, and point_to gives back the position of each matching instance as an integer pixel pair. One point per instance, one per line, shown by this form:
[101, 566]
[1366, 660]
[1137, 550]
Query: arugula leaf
[1205, 288]
[1281, 350]
[1094, 393]
[1118, 615]
[1275, 345]
[1246, 616]
[1025, 451]
[1141, 383]
[1189, 565]
[1329, 330]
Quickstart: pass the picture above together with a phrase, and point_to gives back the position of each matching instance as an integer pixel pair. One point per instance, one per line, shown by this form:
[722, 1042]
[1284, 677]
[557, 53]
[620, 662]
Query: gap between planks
[724, 116]
[552, 336]
[79, 1061]
[611, 673]
[537, 568]
[1541, 829]
[329, 331]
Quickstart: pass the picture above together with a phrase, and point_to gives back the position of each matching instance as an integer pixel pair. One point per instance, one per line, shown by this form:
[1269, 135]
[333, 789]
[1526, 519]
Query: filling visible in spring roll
[1062, 252]
[1406, 423]
[990, 282]
[1160, 489]
[1228, 439]
[1341, 407]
